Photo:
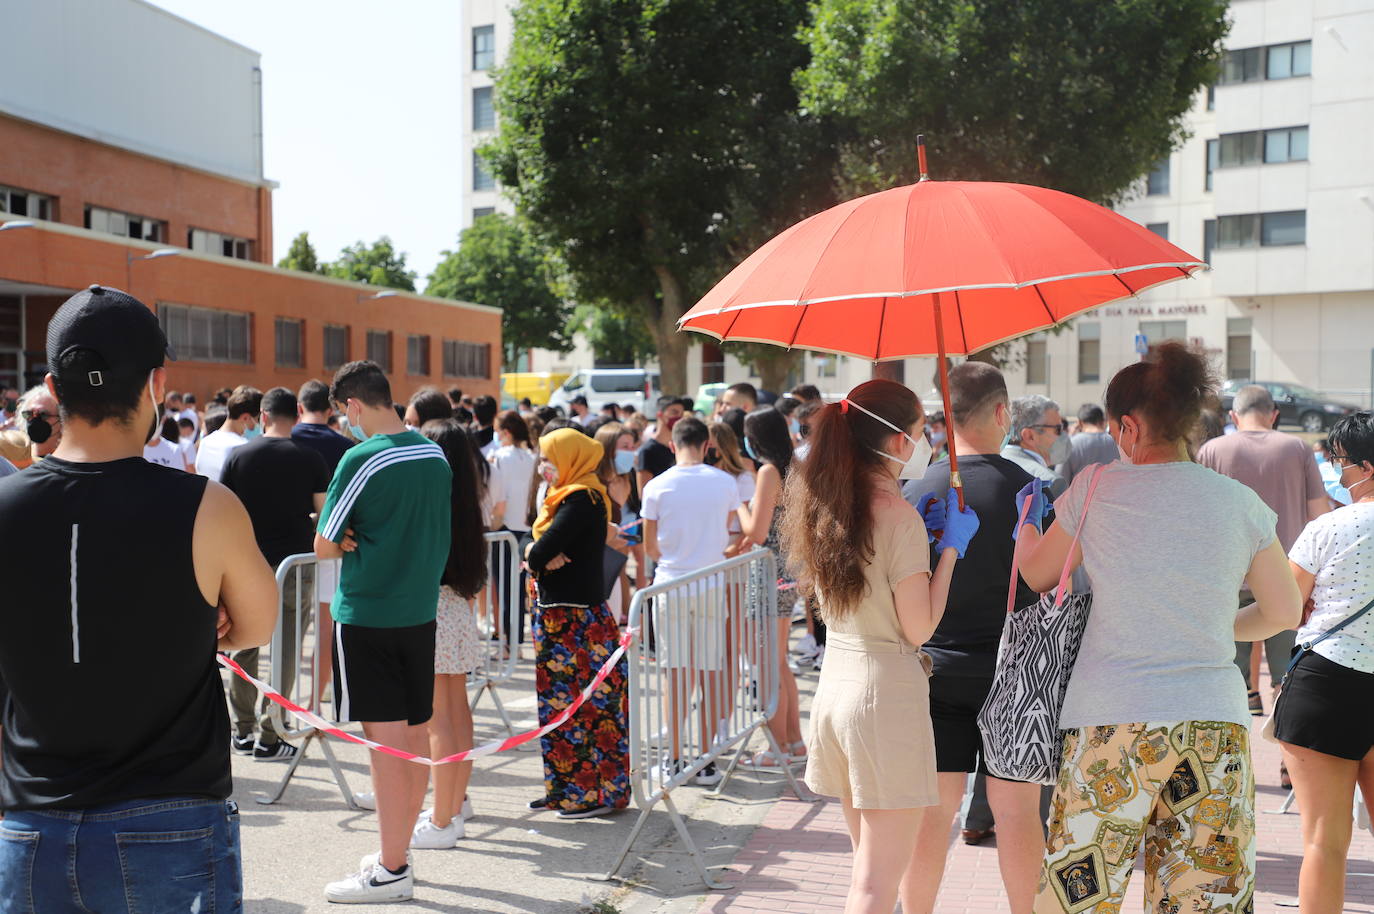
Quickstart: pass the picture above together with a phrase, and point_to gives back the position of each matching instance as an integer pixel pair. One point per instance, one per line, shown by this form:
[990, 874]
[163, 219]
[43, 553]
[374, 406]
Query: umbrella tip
[921, 157]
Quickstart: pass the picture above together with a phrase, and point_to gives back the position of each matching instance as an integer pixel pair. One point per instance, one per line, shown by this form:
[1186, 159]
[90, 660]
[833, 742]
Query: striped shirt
[392, 492]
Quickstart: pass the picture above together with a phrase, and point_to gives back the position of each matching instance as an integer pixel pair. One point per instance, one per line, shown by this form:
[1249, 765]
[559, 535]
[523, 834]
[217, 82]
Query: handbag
[1302, 649]
[1019, 721]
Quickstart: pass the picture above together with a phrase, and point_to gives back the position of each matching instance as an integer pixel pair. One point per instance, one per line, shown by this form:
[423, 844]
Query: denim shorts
[141, 857]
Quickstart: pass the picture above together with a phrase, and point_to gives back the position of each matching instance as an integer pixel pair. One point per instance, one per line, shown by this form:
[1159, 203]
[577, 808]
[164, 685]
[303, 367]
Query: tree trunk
[672, 343]
[774, 369]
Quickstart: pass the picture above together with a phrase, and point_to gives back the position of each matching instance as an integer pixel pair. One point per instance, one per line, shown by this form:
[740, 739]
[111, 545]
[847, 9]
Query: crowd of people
[1207, 545]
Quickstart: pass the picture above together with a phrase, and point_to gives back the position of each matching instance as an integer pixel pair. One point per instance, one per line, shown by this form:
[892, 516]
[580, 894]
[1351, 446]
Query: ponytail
[827, 528]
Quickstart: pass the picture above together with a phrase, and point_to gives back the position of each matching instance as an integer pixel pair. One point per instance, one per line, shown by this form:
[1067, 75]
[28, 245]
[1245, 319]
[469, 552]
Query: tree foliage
[648, 141]
[301, 256]
[498, 262]
[1081, 95]
[379, 264]
[616, 338]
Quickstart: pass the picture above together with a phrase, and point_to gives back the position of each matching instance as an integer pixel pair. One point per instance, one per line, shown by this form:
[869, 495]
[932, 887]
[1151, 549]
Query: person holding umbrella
[860, 549]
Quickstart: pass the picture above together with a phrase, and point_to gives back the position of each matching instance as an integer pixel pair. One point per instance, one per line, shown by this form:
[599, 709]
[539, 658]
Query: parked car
[537, 385]
[706, 397]
[1297, 405]
[637, 387]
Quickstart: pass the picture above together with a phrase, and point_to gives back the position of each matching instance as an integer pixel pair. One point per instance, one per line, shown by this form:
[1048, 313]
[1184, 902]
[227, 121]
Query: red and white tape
[325, 726]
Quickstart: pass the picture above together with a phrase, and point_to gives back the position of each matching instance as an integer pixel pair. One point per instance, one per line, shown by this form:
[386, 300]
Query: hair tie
[844, 405]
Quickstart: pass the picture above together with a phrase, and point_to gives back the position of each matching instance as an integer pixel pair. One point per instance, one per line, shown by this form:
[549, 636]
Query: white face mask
[1060, 451]
[1121, 448]
[914, 467]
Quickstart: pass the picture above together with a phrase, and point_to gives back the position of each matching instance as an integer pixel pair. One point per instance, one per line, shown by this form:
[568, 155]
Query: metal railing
[302, 572]
[710, 681]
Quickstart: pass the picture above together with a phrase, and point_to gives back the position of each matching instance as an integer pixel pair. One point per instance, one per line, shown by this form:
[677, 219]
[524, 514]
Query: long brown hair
[727, 446]
[827, 528]
[609, 436]
[466, 568]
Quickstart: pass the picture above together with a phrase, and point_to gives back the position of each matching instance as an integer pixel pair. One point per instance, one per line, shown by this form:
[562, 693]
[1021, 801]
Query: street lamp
[390, 293]
[16, 224]
[129, 259]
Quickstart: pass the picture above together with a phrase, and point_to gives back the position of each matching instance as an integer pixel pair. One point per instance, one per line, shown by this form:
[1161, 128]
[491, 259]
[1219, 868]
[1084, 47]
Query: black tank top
[107, 646]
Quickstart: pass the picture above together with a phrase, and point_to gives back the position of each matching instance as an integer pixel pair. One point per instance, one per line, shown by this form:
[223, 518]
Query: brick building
[125, 177]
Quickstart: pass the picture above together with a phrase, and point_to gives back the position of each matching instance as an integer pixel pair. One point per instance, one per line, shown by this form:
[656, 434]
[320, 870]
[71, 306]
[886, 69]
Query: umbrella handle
[954, 478]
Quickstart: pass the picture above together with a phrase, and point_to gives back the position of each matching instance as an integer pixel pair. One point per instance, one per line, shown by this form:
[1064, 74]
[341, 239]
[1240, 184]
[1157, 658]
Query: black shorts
[954, 705]
[384, 674]
[1325, 707]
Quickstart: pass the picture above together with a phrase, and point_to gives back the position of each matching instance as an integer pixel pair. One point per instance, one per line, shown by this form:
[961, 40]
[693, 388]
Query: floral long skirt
[587, 760]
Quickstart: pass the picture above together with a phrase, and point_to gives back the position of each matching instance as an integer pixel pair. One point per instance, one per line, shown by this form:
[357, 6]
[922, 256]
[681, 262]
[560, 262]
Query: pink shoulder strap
[1068, 560]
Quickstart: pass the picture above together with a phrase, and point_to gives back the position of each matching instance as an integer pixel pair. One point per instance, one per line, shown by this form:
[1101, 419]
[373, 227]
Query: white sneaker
[372, 884]
[365, 800]
[428, 836]
[806, 645]
[466, 812]
[367, 861]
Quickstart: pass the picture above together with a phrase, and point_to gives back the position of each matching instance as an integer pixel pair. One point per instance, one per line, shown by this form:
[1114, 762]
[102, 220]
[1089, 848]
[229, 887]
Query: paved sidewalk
[799, 857]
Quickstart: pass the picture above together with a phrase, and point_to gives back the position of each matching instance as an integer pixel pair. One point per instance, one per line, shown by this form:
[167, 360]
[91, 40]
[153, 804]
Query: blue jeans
[141, 857]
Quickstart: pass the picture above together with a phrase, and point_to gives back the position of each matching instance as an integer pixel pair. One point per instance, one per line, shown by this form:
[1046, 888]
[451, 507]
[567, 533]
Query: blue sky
[360, 117]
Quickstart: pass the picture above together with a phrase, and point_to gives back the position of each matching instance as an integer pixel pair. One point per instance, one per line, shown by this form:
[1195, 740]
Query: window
[1157, 184]
[1279, 61]
[207, 334]
[1089, 353]
[1240, 149]
[480, 211]
[1037, 360]
[1213, 160]
[290, 343]
[1159, 331]
[1212, 97]
[207, 242]
[335, 346]
[1237, 348]
[25, 203]
[1243, 66]
[417, 355]
[470, 360]
[124, 224]
[483, 112]
[1159, 228]
[1288, 60]
[1262, 230]
[483, 47]
[826, 366]
[1286, 145]
[481, 178]
[1283, 228]
[1209, 238]
[379, 348]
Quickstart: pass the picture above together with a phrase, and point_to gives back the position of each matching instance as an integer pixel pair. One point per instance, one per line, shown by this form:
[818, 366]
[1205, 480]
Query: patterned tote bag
[1020, 720]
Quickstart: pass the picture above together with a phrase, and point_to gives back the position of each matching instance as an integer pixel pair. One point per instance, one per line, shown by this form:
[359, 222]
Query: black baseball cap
[119, 334]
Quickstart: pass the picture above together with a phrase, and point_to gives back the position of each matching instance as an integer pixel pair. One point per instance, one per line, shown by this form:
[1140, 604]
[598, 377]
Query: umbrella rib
[825, 250]
[959, 310]
[882, 320]
[1117, 277]
[1046, 305]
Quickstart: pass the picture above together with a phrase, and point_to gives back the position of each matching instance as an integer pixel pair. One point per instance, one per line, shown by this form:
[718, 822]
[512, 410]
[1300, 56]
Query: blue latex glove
[960, 526]
[1039, 507]
[933, 513]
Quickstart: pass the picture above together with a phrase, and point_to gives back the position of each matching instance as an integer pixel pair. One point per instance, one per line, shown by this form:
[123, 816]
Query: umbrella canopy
[860, 278]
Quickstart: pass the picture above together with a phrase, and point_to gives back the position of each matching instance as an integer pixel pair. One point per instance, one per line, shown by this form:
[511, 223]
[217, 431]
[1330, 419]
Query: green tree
[499, 263]
[1081, 95]
[301, 256]
[379, 264]
[616, 338]
[649, 141]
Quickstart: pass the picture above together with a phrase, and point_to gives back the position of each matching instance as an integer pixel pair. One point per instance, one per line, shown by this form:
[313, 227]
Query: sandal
[796, 752]
[1256, 706]
[773, 761]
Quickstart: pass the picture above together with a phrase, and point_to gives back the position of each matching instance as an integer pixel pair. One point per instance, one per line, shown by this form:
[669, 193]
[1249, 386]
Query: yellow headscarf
[576, 456]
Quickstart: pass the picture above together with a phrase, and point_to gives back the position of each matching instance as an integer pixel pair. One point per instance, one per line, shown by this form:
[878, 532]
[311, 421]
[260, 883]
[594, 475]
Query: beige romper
[871, 739]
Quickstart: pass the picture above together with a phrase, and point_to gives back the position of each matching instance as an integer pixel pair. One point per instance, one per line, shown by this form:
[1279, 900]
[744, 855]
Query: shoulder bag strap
[1063, 578]
[1308, 645]
[1078, 534]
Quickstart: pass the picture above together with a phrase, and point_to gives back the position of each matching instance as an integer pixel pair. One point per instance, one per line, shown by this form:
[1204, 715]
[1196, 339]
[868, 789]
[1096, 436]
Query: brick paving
[798, 860]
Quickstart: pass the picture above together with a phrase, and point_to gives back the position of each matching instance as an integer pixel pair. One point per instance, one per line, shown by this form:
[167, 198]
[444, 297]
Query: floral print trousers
[587, 760]
[1185, 788]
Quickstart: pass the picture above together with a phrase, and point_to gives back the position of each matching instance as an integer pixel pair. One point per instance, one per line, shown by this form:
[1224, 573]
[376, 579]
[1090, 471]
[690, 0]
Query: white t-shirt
[165, 453]
[513, 471]
[1338, 548]
[746, 484]
[692, 506]
[187, 446]
[214, 450]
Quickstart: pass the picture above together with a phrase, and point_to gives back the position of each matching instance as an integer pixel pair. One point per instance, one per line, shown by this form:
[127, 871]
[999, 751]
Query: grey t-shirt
[1167, 546]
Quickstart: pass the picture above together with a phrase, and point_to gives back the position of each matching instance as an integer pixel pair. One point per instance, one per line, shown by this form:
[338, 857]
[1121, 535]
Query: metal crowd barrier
[710, 681]
[498, 665]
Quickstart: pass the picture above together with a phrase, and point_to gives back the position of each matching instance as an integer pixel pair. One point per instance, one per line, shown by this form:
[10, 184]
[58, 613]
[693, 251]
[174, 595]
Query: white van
[637, 387]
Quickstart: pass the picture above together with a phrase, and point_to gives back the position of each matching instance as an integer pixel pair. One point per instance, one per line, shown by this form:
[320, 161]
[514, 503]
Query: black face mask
[39, 430]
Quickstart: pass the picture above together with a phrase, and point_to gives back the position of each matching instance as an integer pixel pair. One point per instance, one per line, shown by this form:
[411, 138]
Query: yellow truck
[537, 385]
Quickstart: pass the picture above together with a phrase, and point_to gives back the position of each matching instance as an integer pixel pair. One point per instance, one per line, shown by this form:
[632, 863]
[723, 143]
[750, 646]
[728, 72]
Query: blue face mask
[624, 461]
[1321, 458]
[748, 449]
[251, 433]
[794, 427]
[355, 430]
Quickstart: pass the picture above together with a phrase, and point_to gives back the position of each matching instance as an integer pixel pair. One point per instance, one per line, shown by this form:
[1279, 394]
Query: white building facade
[1275, 189]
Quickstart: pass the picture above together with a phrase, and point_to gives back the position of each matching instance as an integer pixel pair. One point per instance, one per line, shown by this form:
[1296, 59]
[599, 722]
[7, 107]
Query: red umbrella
[935, 268]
